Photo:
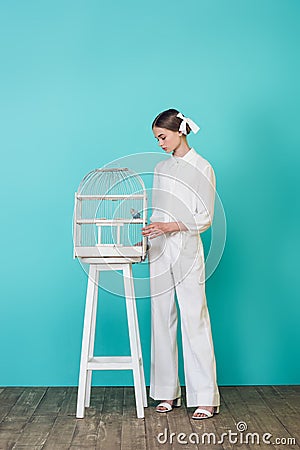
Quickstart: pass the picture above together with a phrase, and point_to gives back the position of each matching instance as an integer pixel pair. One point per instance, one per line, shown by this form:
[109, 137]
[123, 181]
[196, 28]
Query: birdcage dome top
[111, 181]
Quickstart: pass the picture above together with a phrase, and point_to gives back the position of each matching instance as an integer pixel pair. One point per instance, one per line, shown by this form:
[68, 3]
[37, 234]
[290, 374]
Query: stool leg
[85, 342]
[130, 300]
[92, 341]
[138, 339]
[142, 375]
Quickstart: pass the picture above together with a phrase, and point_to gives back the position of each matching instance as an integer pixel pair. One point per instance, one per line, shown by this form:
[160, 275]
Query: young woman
[182, 203]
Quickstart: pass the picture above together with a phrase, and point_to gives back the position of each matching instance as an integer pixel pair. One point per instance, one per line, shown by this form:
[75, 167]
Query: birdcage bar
[109, 251]
[109, 196]
[118, 233]
[99, 235]
[108, 221]
[145, 241]
[76, 225]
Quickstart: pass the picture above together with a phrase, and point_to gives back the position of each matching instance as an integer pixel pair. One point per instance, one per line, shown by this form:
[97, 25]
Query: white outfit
[184, 191]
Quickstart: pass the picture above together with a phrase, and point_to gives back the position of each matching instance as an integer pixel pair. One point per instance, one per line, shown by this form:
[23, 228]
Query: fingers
[151, 231]
[155, 233]
[148, 230]
[149, 227]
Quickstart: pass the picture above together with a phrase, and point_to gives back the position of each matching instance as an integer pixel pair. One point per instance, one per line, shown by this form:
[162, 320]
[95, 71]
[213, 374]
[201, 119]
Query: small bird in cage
[135, 214]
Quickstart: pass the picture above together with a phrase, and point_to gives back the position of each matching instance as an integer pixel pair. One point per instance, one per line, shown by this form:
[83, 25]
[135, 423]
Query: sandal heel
[177, 402]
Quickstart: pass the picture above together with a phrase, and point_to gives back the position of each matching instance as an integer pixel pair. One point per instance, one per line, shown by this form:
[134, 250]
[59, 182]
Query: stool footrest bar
[110, 363]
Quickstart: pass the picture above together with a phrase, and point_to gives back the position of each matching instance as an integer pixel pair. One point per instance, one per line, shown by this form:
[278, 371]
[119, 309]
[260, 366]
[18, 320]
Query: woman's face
[168, 140]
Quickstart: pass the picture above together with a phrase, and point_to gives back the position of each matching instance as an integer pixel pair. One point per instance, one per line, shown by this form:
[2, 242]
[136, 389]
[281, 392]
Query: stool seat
[89, 361]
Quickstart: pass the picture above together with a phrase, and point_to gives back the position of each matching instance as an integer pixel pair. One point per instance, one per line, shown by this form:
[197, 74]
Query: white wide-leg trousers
[177, 264]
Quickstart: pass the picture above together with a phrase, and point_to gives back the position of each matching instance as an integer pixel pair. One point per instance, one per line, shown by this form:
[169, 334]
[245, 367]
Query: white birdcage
[110, 211]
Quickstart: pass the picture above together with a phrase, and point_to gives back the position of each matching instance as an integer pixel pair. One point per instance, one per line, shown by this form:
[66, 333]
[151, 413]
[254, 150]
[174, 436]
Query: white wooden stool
[89, 362]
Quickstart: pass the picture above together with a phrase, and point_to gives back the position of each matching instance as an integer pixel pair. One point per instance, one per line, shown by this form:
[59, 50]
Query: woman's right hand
[156, 229]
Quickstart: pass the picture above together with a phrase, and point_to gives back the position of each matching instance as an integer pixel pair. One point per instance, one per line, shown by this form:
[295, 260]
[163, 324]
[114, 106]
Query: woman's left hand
[158, 228]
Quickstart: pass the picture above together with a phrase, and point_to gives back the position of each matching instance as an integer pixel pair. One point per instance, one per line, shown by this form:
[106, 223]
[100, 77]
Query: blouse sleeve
[202, 217]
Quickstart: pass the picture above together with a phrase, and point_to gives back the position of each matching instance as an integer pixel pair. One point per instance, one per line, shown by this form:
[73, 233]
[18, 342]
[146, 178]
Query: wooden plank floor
[44, 418]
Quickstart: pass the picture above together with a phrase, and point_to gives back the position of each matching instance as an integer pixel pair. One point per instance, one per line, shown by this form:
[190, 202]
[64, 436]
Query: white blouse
[184, 191]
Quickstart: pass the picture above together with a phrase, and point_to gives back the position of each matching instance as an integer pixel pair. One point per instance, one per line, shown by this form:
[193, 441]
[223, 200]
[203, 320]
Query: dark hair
[168, 119]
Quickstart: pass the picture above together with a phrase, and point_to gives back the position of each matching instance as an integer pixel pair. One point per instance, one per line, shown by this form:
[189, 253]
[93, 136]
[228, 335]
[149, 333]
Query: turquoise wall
[81, 82]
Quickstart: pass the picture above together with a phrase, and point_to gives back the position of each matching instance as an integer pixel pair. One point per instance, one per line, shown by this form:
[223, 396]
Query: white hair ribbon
[186, 120]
